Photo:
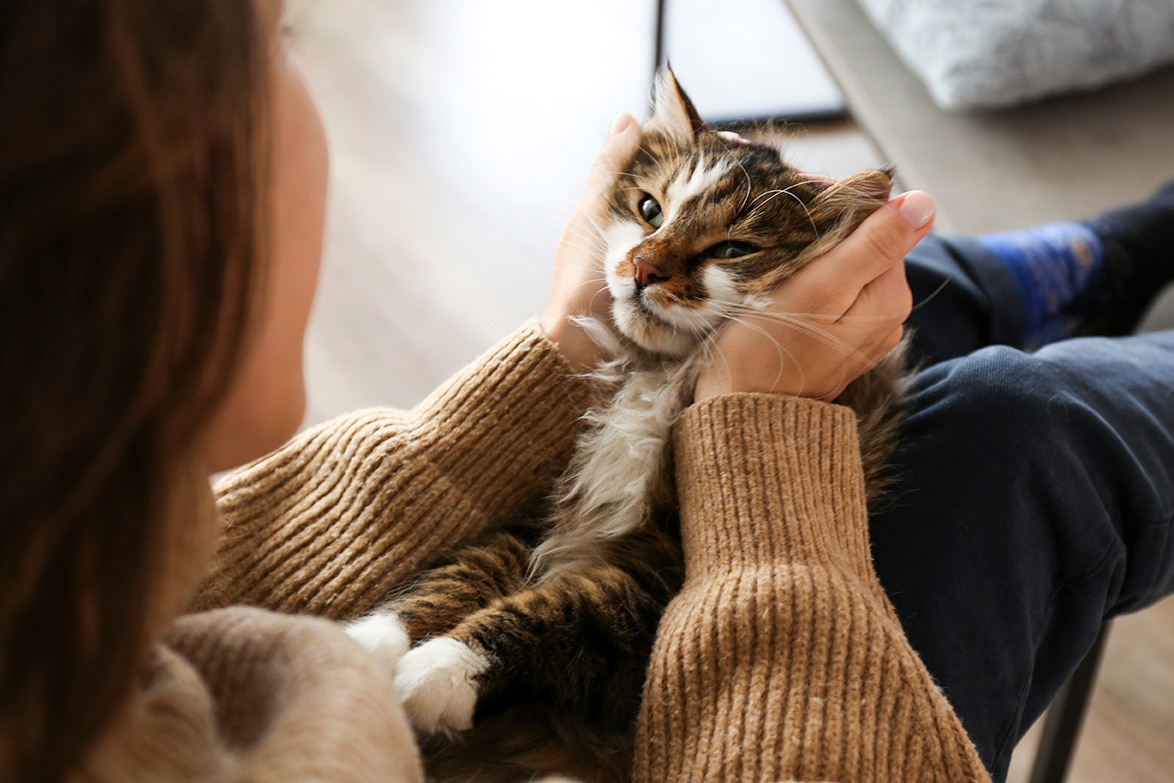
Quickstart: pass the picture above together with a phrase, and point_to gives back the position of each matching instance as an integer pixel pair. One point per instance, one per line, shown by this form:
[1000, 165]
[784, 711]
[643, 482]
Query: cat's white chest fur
[618, 464]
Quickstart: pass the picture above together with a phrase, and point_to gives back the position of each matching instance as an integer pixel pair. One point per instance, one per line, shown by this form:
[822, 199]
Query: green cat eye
[651, 211]
[730, 250]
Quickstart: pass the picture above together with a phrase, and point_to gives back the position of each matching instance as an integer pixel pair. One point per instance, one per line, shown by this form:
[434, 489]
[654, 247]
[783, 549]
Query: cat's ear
[672, 112]
[843, 205]
[867, 189]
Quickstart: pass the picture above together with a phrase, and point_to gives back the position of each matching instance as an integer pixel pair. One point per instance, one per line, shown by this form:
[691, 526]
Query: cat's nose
[648, 273]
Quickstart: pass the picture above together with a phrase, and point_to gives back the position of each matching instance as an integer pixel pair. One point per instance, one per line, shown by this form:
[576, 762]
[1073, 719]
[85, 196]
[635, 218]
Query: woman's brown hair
[132, 166]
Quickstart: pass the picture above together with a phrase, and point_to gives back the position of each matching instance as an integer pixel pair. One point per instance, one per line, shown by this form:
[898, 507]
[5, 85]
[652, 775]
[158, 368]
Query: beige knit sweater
[780, 660]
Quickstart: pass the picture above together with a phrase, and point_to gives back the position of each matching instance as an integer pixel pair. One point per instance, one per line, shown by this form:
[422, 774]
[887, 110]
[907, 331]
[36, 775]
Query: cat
[523, 653]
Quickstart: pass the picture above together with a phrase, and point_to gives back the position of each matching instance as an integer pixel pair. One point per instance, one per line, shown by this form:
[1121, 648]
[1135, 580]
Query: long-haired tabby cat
[524, 652]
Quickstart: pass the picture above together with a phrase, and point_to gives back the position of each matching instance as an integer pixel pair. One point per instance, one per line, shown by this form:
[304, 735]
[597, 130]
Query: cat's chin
[654, 335]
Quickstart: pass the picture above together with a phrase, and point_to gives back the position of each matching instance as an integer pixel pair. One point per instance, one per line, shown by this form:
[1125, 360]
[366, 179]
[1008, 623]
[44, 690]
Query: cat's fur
[525, 651]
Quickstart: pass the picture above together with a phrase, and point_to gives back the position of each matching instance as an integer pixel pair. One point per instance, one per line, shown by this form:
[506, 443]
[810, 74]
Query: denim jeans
[1033, 498]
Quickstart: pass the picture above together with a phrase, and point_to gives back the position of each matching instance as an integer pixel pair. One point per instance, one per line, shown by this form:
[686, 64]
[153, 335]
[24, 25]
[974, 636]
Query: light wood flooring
[460, 133]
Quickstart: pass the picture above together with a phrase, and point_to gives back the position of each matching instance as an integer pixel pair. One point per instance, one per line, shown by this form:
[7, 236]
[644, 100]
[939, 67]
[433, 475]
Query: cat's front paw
[384, 637]
[437, 682]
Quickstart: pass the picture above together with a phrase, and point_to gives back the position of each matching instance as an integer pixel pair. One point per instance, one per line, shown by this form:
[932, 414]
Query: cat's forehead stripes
[697, 182]
[738, 181]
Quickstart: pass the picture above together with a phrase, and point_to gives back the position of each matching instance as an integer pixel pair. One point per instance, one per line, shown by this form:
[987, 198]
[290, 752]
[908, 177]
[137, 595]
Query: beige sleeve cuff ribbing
[332, 521]
[748, 462]
[782, 659]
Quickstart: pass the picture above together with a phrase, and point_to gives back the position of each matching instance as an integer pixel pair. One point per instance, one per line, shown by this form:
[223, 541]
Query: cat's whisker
[767, 196]
[799, 322]
[589, 238]
[746, 174]
[845, 348]
[601, 292]
[588, 229]
[785, 355]
[800, 202]
[591, 243]
[761, 311]
[934, 295]
[879, 317]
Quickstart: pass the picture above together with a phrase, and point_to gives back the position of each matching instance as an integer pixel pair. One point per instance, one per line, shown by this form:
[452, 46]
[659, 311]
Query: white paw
[436, 681]
[384, 637]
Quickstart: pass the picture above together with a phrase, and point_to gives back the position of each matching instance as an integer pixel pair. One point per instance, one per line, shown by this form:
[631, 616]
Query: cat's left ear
[844, 204]
[867, 188]
[672, 112]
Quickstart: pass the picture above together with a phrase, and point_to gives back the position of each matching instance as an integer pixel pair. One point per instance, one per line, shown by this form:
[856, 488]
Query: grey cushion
[997, 53]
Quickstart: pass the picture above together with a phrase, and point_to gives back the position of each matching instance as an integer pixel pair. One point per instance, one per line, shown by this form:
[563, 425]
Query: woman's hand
[579, 287]
[832, 320]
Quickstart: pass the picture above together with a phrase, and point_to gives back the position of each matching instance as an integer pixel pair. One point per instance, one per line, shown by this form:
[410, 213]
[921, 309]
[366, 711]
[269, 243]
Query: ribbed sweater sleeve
[782, 658]
[333, 521]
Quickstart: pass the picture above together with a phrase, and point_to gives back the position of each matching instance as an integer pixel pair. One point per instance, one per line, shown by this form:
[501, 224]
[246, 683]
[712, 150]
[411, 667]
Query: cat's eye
[651, 211]
[727, 251]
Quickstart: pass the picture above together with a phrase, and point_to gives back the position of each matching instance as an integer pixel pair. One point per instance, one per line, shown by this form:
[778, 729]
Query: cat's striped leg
[443, 596]
[581, 642]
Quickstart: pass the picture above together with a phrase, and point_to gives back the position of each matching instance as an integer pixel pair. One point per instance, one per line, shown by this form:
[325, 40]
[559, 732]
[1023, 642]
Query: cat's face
[700, 225]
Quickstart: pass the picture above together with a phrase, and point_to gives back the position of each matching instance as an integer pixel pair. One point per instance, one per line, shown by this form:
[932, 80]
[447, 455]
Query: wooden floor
[460, 133]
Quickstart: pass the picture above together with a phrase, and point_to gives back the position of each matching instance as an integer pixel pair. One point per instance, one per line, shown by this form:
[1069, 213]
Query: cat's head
[701, 224]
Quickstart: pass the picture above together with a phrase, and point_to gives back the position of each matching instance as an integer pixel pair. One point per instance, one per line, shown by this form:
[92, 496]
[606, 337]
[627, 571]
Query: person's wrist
[571, 340]
[720, 383]
[712, 384]
[735, 373]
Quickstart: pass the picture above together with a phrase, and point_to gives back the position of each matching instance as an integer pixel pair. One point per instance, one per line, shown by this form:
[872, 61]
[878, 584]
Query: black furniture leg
[1064, 717]
[659, 43]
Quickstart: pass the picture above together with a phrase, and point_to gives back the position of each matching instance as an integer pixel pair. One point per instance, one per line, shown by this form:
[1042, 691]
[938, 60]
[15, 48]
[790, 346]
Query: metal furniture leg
[1064, 717]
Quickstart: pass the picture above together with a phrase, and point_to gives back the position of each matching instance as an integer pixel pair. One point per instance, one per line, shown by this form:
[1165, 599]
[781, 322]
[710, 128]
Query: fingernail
[621, 123]
[917, 209]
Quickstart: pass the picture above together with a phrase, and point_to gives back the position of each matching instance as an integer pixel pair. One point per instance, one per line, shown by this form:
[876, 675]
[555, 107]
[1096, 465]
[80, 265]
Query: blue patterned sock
[1059, 268]
[1138, 241]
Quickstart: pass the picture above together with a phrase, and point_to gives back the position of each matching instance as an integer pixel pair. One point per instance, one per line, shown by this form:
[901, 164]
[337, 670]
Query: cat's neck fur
[619, 473]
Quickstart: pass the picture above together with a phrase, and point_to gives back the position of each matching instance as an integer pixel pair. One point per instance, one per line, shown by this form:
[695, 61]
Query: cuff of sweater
[768, 479]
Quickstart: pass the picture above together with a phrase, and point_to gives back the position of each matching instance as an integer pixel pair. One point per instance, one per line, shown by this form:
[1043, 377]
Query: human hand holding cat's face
[853, 302]
[579, 288]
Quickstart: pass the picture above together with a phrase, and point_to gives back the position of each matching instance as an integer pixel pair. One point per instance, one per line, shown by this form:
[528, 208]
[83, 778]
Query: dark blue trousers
[1034, 494]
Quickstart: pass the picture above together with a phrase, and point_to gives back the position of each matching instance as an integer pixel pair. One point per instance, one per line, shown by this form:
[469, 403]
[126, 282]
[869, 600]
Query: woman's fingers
[622, 141]
[578, 286]
[831, 321]
[877, 245]
[882, 304]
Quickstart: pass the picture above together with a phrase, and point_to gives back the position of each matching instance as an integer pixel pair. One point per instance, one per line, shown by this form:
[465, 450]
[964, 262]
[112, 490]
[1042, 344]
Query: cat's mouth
[651, 307]
[655, 317]
[646, 308]
[645, 323]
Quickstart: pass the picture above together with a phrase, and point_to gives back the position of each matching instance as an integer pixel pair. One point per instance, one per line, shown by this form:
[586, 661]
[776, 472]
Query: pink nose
[647, 273]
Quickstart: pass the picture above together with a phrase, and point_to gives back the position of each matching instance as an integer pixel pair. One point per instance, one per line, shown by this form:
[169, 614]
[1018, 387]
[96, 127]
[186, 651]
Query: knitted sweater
[780, 660]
